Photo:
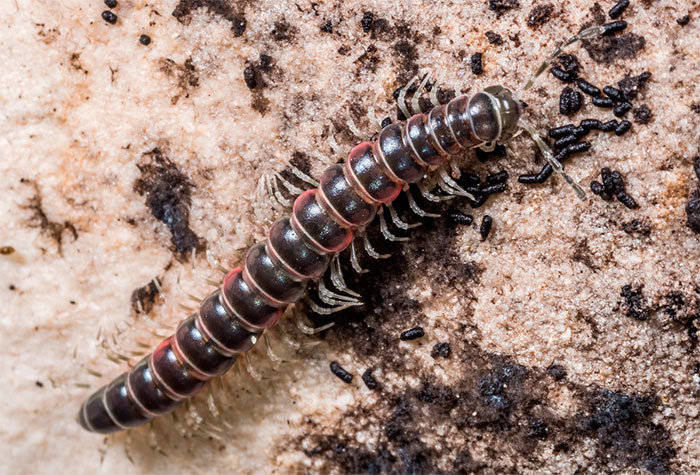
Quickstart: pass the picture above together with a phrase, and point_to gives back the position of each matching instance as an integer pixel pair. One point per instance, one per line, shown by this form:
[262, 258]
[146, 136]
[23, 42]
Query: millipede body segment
[276, 272]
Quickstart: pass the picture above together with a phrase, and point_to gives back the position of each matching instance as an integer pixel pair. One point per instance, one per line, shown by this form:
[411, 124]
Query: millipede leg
[333, 298]
[370, 250]
[450, 184]
[433, 95]
[286, 202]
[415, 100]
[355, 130]
[257, 377]
[293, 189]
[376, 121]
[307, 330]
[338, 279]
[334, 146]
[402, 97]
[316, 308]
[303, 176]
[322, 158]
[431, 197]
[398, 222]
[417, 209]
[354, 261]
[385, 230]
[127, 446]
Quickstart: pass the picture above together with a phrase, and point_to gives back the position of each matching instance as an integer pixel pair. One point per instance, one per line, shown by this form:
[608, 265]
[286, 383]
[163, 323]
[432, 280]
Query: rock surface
[130, 168]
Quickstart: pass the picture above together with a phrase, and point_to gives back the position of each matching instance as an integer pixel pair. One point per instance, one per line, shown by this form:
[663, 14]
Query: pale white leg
[354, 261]
[385, 230]
[433, 95]
[355, 130]
[402, 97]
[447, 180]
[327, 310]
[417, 209]
[334, 146]
[399, 222]
[333, 298]
[305, 329]
[338, 279]
[415, 100]
[370, 250]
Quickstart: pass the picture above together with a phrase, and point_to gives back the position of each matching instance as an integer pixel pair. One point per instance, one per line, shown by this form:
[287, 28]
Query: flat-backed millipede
[300, 248]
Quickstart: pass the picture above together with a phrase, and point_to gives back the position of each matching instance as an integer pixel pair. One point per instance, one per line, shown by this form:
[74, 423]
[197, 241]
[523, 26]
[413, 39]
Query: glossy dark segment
[290, 247]
[241, 300]
[200, 350]
[483, 118]
[147, 392]
[174, 374]
[121, 407]
[317, 224]
[440, 130]
[343, 199]
[419, 139]
[228, 331]
[458, 121]
[271, 278]
[94, 417]
[397, 154]
[369, 174]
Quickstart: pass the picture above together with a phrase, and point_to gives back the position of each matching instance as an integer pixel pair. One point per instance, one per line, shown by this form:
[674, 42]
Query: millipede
[326, 220]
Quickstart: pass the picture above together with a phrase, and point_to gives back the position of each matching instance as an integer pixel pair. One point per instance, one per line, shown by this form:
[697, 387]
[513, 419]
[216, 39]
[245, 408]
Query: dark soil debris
[540, 14]
[615, 48]
[494, 38]
[52, 229]
[635, 304]
[223, 8]
[143, 298]
[502, 6]
[168, 196]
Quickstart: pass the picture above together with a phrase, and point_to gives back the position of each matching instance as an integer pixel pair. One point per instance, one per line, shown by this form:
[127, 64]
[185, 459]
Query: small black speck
[369, 380]
[109, 17]
[684, 20]
[12, 287]
[442, 350]
[327, 27]
[477, 63]
[145, 40]
[111, 3]
[412, 334]
[367, 22]
[341, 373]
[39, 383]
[72, 302]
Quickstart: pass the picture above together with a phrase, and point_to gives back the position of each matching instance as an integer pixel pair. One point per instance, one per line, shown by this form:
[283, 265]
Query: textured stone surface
[120, 160]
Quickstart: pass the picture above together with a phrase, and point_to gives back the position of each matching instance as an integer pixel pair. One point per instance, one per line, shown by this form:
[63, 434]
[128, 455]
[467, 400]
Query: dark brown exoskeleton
[324, 221]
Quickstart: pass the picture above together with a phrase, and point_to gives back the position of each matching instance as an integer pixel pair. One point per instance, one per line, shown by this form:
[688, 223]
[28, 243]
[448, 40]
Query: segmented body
[276, 272]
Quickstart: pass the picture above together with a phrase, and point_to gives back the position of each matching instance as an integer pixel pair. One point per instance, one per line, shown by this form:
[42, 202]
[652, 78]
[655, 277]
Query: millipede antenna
[588, 33]
[549, 156]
